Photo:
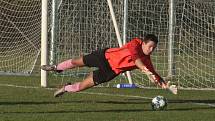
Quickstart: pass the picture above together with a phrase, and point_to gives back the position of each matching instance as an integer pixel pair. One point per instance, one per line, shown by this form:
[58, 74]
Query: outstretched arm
[154, 77]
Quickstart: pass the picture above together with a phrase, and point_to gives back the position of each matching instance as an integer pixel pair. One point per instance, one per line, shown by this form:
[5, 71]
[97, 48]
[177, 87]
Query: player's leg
[67, 64]
[97, 77]
[103, 74]
[90, 60]
[76, 87]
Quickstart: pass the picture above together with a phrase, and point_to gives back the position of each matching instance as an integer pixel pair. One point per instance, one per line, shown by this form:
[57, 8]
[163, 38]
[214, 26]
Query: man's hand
[172, 88]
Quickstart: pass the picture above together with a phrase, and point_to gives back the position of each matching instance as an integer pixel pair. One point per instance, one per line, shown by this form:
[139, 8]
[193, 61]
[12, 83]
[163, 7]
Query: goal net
[19, 36]
[195, 42]
[193, 39]
[81, 26]
[84, 26]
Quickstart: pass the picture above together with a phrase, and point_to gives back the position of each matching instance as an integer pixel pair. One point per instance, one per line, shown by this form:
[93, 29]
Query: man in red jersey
[111, 62]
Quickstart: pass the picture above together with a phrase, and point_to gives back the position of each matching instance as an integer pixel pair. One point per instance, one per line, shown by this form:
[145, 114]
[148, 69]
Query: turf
[101, 104]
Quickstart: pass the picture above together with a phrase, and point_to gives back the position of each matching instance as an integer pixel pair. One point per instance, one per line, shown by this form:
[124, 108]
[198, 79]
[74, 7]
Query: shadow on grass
[78, 101]
[126, 101]
[192, 101]
[84, 110]
[181, 101]
[78, 111]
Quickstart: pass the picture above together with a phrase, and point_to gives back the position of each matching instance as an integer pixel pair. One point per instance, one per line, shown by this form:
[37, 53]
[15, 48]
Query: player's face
[148, 47]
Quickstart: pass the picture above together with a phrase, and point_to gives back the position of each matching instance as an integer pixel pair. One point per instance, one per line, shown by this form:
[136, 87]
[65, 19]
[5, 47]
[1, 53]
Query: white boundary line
[11, 85]
[93, 93]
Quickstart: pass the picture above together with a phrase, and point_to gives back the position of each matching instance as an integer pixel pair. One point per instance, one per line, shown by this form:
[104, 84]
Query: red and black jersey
[123, 59]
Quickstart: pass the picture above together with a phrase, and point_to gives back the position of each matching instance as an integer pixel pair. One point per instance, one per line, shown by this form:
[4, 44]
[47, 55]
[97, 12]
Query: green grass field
[25, 103]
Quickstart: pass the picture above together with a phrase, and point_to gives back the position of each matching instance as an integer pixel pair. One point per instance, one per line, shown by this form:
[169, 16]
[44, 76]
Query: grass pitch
[26, 103]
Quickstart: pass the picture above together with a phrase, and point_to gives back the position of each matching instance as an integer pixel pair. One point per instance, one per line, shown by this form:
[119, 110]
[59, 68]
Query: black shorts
[104, 73]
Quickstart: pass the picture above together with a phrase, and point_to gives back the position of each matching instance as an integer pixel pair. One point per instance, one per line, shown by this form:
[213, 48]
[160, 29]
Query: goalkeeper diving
[111, 62]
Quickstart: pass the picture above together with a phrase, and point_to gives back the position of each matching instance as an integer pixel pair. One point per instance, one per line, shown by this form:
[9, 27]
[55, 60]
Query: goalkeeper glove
[172, 88]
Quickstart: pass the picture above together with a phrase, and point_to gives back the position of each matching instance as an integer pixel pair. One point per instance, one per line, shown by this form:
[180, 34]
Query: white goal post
[44, 41]
[118, 33]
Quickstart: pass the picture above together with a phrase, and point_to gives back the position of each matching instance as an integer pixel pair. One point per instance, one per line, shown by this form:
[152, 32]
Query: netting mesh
[195, 44]
[90, 28]
[85, 25]
[20, 35]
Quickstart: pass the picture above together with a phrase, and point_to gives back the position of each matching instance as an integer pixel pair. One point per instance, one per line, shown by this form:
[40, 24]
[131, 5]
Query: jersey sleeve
[134, 46]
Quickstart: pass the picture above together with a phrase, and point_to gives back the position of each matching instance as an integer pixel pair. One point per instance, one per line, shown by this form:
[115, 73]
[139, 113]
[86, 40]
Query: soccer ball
[159, 103]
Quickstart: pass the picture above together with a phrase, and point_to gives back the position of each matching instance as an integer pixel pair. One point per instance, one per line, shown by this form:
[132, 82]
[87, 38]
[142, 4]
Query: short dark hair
[150, 37]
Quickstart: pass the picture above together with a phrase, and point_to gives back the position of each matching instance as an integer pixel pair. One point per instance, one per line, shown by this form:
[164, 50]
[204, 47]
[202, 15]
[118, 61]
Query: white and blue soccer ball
[159, 103]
